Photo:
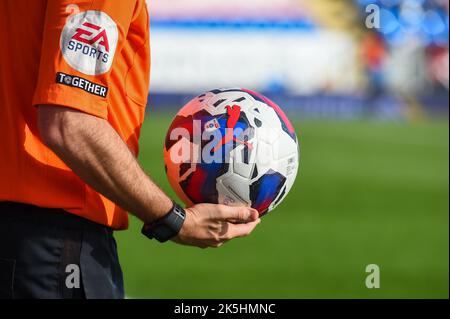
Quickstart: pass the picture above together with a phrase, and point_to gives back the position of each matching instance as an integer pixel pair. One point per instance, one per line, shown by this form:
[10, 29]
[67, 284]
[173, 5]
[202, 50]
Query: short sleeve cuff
[59, 95]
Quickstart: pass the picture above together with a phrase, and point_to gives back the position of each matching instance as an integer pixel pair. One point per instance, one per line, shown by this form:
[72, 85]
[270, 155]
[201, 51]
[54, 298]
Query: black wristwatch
[167, 226]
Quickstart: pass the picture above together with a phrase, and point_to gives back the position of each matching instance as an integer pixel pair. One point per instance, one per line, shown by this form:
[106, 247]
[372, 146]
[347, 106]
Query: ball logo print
[232, 147]
[212, 125]
[88, 42]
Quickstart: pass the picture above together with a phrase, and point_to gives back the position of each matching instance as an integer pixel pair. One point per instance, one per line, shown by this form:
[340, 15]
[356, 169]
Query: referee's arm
[95, 152]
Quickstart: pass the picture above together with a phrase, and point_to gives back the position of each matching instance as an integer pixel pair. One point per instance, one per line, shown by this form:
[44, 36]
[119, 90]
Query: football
[234, 147]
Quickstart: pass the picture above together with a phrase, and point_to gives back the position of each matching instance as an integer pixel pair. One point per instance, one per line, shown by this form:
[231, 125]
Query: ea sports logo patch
[89, 41]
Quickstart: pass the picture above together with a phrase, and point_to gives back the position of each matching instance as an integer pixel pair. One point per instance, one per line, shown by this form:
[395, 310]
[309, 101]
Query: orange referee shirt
[89, 55]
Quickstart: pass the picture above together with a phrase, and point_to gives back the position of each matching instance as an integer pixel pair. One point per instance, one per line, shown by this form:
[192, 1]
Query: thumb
[238, 214]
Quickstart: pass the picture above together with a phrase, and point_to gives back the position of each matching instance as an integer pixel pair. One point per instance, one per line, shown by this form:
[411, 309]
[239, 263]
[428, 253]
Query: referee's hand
[209, 225]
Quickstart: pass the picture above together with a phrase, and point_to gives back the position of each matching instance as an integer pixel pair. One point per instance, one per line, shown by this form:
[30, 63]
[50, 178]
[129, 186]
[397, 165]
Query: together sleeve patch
[81, 83]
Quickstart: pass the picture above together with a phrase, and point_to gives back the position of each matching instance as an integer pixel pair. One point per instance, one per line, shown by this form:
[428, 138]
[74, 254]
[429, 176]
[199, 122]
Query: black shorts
[49, 253]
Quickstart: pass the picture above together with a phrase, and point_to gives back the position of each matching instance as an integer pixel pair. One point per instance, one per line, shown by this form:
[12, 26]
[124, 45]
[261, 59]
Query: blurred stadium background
[371, 110]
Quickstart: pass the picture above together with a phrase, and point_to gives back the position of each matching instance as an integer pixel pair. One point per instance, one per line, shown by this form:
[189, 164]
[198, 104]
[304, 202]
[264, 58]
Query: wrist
[166, 227]
[156, 211]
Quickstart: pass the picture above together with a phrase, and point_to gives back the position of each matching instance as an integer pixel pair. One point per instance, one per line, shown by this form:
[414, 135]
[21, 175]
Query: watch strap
[167, 226]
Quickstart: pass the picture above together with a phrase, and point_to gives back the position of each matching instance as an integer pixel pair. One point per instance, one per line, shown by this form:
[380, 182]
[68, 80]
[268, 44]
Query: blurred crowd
[409, 50]
[343, 54]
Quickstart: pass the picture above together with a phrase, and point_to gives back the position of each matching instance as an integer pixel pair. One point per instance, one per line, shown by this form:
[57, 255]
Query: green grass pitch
[366, 193]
